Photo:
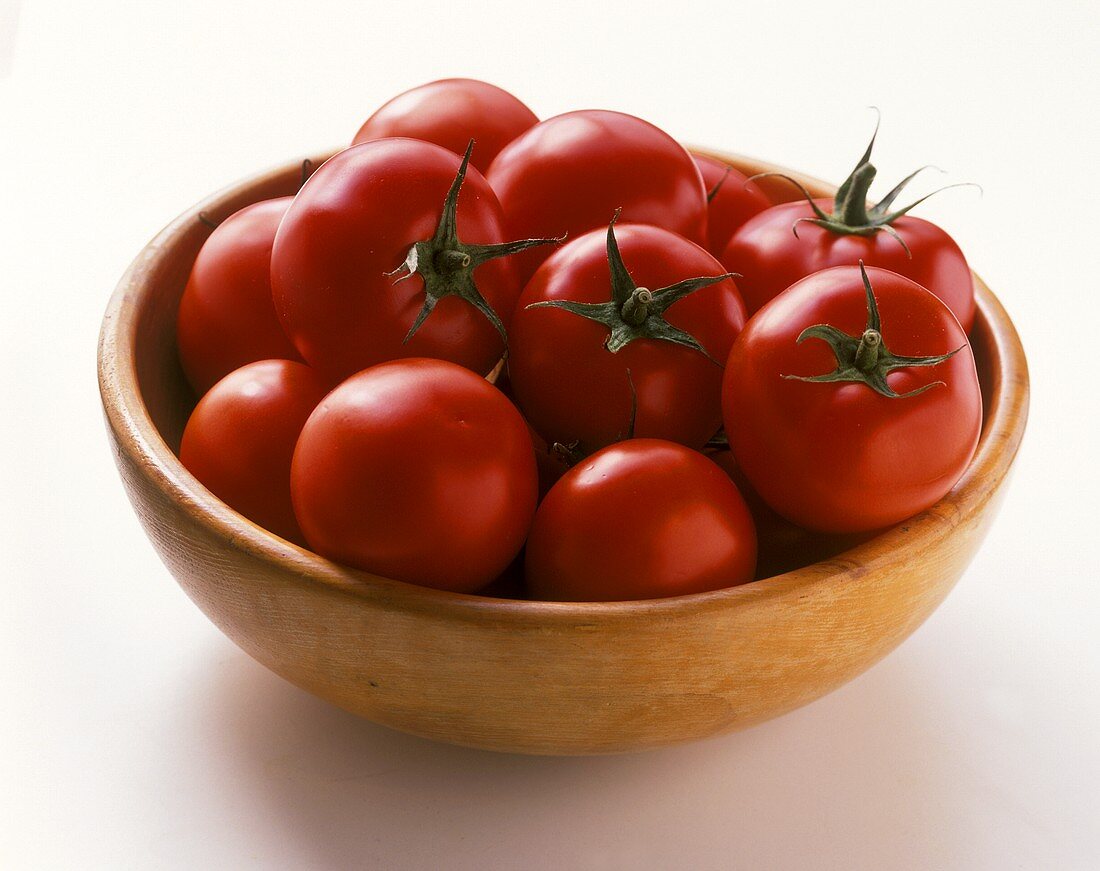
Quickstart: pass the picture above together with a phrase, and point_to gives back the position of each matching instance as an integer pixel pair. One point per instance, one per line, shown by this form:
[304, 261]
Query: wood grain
[530, 677]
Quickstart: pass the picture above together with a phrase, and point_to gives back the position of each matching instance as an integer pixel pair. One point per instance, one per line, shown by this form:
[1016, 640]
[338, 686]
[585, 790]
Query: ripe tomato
[731, 200]
[417, 470]
[786, 243]
[586, 339]
[570, 173]
[847, 415]
[552, 461]
[641, 519]
[781, 546]
[368, 264]
[239, 439]
[226, 317]
[451, 112]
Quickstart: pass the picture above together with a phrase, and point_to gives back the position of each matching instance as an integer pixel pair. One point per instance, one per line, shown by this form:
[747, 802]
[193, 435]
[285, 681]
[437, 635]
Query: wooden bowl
[530, 677]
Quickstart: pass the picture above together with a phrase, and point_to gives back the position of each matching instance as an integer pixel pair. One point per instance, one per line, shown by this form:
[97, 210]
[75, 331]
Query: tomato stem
[447, 265]
[866, 359]
[851, 210]
[867, 352]
[637, 312]
[636, 308]
[451, 261]
[851, 216]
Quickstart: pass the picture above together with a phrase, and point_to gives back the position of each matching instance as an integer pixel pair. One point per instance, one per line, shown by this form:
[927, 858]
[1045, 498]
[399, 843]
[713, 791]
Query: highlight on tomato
[417, 470]
[240, 439]
[451, 112]
[630, 316]
[787, 242]
[395, 248]
[642, 519]
[851, 401]
[567, 174]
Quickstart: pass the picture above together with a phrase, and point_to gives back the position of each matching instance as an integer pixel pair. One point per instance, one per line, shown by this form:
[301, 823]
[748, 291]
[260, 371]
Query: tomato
[641, 519]
[855, 438]
[786, 243]
[551, 460]
[770, 258]
[590, 334]
[240, 438]
[369, 263]
[451, 112]
[570, 173]
[417, 470]
[781, 546]
[731, 200]
[226, 317]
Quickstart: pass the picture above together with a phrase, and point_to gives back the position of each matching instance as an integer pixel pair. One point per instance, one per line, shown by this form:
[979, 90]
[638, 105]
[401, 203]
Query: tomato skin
[451, 112]
[839, 457]
[570, 173]
[571, 388]
[770, 258]
[416, 470]
[737, 200]
[782, 546]
[640, 519]
[240, 439]
[354, 221]
[551, 464]
[226, 316]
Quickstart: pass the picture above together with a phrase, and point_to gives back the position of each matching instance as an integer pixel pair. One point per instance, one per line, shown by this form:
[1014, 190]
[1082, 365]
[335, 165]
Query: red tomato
[386, 253]
[451, 112]
[574, 368]
[731, 200]
[417, 470]
[837, 453]
[552, 460]
[570, 173]
[642, 519]
[782, 546]
[241, 436]
[226, 317]
[770, 257]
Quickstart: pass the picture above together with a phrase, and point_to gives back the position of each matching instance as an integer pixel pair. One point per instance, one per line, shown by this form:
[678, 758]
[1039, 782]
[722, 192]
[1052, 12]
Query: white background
[133, 735]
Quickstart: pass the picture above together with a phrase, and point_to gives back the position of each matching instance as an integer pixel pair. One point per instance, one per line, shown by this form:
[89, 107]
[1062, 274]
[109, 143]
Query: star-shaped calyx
[637, 312]
[851, 216]
[447, 264]
[865, 359]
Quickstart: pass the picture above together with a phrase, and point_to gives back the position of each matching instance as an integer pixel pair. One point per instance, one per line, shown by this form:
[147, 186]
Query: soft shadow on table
[862, 767]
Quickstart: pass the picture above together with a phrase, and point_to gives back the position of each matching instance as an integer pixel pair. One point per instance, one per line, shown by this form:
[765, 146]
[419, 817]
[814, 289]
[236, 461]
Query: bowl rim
[138, 438]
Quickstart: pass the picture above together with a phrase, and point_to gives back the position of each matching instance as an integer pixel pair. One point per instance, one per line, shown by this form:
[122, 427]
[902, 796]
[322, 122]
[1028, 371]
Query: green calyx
[851, 216]
[446, 264]
[636, 312]
[865, 359]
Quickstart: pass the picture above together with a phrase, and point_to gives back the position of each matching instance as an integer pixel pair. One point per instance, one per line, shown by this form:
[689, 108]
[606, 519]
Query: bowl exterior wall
[506, 682]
